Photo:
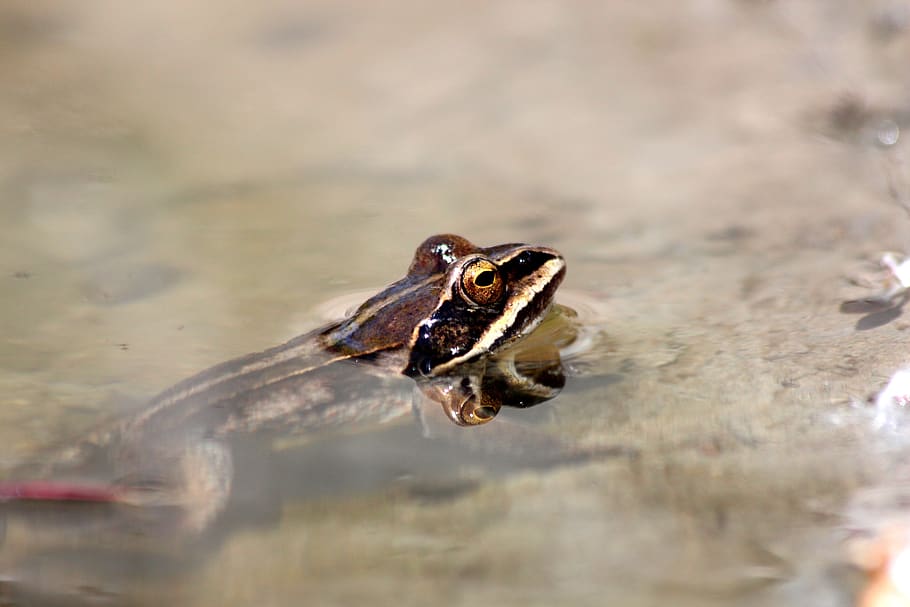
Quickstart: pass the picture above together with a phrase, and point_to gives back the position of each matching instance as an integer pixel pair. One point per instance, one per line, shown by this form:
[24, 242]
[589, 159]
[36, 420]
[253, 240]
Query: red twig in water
[54, 491]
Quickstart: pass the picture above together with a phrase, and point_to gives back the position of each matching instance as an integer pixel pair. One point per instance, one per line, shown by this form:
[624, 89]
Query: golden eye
[481, 282]
[474, 414]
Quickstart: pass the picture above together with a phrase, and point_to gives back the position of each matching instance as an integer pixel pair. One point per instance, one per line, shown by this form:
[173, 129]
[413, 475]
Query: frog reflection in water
[448, 325]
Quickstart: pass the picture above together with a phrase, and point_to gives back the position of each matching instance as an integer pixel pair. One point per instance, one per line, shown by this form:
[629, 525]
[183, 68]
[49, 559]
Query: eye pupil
[484, 413]
[484, 278]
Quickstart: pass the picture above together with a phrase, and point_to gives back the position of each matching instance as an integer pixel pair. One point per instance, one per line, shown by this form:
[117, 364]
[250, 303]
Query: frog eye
[481, 282]
[473, 413]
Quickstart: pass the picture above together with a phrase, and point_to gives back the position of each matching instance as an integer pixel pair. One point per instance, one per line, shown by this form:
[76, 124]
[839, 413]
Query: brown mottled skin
[395, 326]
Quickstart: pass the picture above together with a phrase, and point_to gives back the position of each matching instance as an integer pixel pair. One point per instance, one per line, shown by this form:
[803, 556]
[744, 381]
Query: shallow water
[186, 182]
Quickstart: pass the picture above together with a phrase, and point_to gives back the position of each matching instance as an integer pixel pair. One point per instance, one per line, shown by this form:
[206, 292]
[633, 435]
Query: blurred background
[182, 182]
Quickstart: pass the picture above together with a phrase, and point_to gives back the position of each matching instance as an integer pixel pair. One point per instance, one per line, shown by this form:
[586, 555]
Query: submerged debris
[887, 560]
[893, 401]
[891, 292]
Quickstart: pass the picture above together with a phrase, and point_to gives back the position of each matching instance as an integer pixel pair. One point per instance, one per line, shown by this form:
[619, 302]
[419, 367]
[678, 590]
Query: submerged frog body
[445, 325]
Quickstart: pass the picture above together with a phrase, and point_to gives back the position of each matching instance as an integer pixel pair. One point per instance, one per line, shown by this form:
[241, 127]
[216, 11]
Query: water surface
[186, 182]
